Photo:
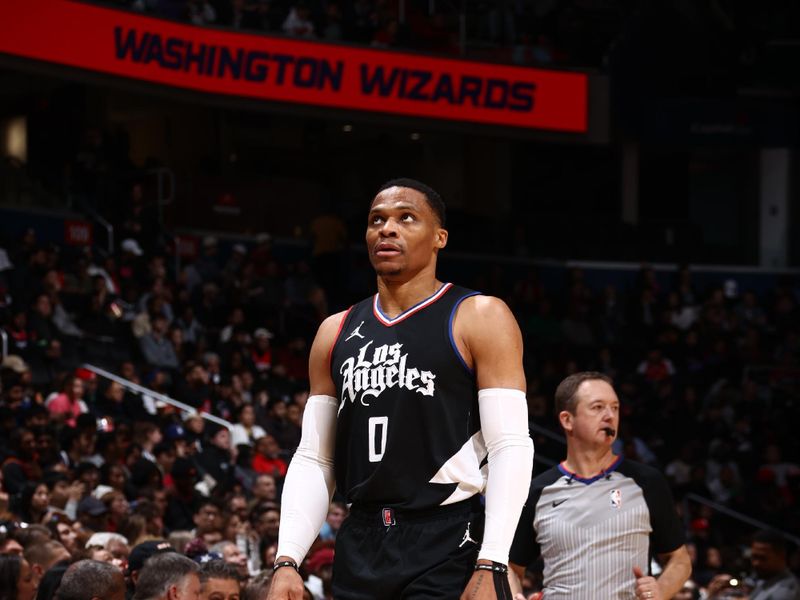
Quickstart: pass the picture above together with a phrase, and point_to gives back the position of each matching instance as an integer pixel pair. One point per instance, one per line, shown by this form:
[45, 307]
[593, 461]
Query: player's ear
[441, 238]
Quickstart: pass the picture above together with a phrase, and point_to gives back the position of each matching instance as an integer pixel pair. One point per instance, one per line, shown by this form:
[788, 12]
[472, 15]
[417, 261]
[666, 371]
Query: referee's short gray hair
[566, 390]
[161, 572]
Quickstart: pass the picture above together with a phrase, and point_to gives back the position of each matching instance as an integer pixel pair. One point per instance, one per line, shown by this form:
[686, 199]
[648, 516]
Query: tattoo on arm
[477, 586]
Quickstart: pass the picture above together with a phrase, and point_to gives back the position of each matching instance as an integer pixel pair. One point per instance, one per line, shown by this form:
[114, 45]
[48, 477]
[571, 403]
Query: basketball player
[411, 391]
[597, 518]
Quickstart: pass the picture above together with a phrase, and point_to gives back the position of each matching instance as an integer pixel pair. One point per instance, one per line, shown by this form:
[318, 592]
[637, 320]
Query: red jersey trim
[338, 335]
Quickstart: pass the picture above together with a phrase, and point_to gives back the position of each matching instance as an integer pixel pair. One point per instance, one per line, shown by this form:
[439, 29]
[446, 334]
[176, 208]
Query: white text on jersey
[364, 379]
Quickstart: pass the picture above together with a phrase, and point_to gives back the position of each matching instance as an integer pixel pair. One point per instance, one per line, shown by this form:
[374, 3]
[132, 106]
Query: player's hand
[646, 586]
[286, 585]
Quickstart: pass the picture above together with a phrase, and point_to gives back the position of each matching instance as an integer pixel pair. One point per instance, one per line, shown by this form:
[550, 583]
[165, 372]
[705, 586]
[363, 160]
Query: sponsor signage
[278, 69]
[77, 233]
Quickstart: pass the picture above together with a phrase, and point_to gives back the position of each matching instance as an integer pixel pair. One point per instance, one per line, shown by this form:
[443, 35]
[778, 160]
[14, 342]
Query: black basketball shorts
[384, 554]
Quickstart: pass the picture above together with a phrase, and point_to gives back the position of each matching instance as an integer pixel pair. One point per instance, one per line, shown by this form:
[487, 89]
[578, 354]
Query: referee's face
[403, 233]
[596, 411]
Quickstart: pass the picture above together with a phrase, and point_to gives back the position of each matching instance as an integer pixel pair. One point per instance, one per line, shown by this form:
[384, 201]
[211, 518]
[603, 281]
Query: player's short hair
[567, 389]
[771, 538]
[432, 196]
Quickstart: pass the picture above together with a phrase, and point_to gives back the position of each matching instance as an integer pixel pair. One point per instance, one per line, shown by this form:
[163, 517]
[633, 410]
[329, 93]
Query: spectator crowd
[95, 473]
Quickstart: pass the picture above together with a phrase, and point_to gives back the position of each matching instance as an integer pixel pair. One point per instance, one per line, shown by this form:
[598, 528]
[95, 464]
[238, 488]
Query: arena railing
[83, 206]
[143, 391]
[729, 512]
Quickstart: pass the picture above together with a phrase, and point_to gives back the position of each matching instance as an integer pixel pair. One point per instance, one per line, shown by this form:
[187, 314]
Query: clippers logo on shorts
[388, 517]
[366, 376]
[616, 498]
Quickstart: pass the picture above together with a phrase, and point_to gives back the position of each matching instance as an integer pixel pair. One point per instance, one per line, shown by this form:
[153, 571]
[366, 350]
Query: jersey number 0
[377, 431]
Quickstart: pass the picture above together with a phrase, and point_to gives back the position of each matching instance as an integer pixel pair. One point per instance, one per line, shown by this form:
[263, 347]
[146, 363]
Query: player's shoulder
[484, 305]
[479, 310]
[330, 326]
[334, 321]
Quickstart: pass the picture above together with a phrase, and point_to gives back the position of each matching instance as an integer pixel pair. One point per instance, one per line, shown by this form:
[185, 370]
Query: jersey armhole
[338, 335]
[450, 331]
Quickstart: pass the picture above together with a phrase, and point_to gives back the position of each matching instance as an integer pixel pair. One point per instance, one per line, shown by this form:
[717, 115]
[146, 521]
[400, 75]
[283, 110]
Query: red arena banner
[279, 69]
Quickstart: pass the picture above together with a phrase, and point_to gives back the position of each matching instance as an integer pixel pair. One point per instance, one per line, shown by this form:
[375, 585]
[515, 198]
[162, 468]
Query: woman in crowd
[16, 578]
[34, 501]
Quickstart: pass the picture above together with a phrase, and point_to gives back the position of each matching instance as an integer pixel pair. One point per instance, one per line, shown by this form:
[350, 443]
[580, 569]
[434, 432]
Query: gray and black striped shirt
[592, 532]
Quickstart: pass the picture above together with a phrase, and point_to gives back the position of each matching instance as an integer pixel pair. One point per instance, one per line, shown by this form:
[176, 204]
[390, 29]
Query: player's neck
[588, 462]
[397, 297]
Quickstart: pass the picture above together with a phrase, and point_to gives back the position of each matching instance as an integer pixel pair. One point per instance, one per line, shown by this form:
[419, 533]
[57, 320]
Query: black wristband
[495, 567]
[285, 563]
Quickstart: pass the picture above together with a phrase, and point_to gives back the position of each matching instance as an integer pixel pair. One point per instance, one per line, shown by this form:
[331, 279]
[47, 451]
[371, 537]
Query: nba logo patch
[388, 517]
[616, 498]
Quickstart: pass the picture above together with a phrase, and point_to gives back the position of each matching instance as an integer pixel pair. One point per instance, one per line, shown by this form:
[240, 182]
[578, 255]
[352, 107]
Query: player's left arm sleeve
[504, 425]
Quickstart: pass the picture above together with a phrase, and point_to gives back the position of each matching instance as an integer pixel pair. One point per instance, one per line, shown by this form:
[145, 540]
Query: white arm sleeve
[310, 480]
[504, 425]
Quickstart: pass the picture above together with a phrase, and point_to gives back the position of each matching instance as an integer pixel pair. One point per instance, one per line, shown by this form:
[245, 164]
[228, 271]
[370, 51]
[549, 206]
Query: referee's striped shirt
[592, 532]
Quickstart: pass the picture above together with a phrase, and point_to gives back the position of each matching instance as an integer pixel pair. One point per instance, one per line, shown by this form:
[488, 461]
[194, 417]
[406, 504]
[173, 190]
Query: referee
[596, 519]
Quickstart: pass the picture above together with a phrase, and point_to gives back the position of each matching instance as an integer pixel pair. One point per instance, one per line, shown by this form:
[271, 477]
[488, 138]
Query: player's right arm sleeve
[310, 479]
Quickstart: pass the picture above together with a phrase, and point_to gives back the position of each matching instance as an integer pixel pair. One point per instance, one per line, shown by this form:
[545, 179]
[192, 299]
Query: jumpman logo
[356, 333]
[467, 538]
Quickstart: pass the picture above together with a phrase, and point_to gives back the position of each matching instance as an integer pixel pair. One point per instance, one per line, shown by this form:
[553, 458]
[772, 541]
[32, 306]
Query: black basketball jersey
[408, 433]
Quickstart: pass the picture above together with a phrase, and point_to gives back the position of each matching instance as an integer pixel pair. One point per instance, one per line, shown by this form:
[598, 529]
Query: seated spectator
[139, 555]
[768, 557]
[266, 521]
[21, 464]
[16, 578]
[66, 406]
[216, 458]
[298, 23]
[219, 580]
[41, 557]
[34, 502]
[267, 458]
[168, 576]
[88, 579]
[156, 348]
[51, 581]
[264, 489]
[337, 512]
[232, 556]
[245, 432]
[208, 522]
[62, 529]
[656, 367]
[64, 495]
